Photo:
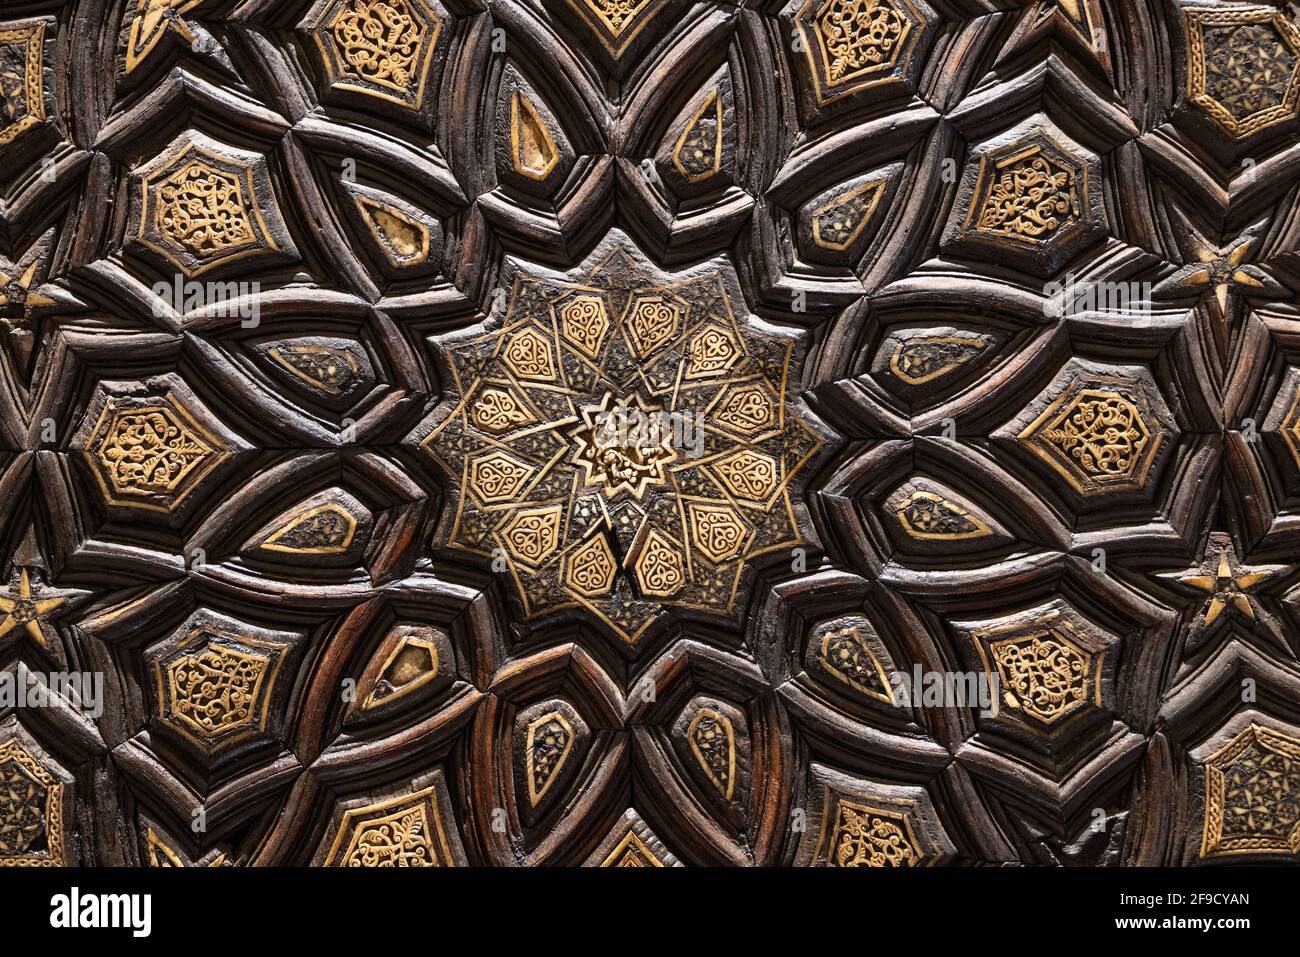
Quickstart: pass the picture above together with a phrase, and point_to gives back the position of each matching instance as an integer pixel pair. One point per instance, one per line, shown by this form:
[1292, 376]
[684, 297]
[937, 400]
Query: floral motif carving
[659, 568]
[717, 530]
[869, 837]
[379, 48]
[497, 411]
[533, 534]
[214, 681]
[202, 209]
[859, 36]
[616, 23]
[1101, 432]
[498, 477]
[203, 205]
[150, 455]
[621, 446]
[1043, 675]
[400, 838]
[711, 352]
[585, 322]
[216, 689]
[856, 45]
[1028, 196]
[590, 570]
[528, 355]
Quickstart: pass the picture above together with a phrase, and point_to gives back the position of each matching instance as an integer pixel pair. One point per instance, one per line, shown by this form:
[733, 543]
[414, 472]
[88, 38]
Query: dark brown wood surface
[970, 325]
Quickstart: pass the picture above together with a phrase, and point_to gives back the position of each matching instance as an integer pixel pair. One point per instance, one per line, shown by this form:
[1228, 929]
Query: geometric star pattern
[836, 433]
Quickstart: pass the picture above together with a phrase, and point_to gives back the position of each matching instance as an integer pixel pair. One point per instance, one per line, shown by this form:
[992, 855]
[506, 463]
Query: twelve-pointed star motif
[622, 442]
[22, 608]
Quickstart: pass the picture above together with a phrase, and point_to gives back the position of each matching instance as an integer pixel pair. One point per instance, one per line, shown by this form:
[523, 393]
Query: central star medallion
[623, 445]
[620, 442]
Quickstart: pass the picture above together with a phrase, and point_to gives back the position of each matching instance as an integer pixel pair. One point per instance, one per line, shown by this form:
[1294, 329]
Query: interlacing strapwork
[666, 465]
[649, 433]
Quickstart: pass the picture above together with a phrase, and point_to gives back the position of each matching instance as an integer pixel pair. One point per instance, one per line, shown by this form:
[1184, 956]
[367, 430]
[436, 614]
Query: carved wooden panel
[649, 432]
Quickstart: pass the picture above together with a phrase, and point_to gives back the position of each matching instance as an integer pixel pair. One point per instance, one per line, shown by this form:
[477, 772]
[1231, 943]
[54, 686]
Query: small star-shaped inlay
[19, 279]
[22, 304]
[153, 18]
[23, 608]
[1228, 586]
[1223, 270]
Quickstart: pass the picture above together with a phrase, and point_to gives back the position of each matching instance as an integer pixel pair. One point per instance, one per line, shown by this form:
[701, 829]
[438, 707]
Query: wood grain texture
[959, 344]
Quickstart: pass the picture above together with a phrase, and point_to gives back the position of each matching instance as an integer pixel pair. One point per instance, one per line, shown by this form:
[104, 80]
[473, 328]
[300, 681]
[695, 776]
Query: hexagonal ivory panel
[215, 680]
[149, 449]
[378, 48]
[854, 45]
[1102, 429]
[1031, 197]
[852, 822]
[202, 205]
[407, 825]
[1049, 662]
[1250, 780]
[1241, 67]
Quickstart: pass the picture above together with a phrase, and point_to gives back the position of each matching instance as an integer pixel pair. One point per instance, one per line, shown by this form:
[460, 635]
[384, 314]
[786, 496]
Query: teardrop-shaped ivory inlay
[412, 663]
[403, 241]
[532, 148]
[698, 153]
[713, 742]
[550, 739]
